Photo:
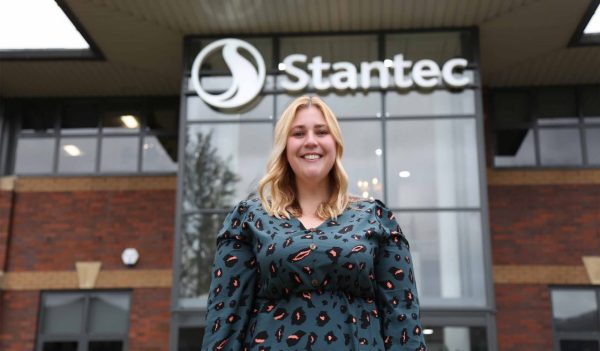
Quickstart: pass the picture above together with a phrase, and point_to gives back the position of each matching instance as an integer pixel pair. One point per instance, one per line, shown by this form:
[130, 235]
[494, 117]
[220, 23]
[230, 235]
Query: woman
[308, 268]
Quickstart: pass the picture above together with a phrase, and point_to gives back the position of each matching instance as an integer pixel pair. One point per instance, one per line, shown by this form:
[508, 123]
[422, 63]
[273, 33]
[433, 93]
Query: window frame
[579, 38]
[84, 337]
[533, 124]
[578, 336]
[99, 106]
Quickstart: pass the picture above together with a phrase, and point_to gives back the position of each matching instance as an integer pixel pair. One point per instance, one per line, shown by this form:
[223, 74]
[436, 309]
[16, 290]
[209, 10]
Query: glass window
[511, 107]
[342, 105]
[77, 155]
[105, 345]
[575, 310]
[60, 346]
[108, 313]
[430, 103]
[159, 153]
[225, 162]
[198, 110]
[119, 154]
[198, 248]
[579, 345]
[163, 120]
[515, 147]
[446, 248]
[592, 139]
[63, 313]
[560, 146]
[84, 320]
[35, 155]
[436, 46]
[556, 106]
[121, 122]
[432, 163]
[363, 158]
[190, 339]
[79, 118]
[38, 118]
[456, 338]
[332, 48]
[590, 103]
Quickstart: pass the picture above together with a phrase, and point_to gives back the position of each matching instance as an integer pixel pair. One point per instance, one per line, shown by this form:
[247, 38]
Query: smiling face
[310, 148]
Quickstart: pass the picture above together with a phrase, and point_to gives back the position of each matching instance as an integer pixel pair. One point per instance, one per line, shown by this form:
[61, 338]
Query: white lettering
[302, 78]
[345, 76]
[317, 67]
[365, 74]
[448, 72]
[400, 78]
[426, 73]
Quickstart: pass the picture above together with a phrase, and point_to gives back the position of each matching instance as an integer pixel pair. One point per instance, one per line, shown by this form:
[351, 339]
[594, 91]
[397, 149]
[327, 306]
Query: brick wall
[150, 317]
[53, 230]
[524, 320]
[5, 211]
[18, 320]
[544, 224]
[543, 231]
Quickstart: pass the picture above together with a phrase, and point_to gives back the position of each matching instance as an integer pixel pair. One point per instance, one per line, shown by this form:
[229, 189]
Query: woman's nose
[310, 139]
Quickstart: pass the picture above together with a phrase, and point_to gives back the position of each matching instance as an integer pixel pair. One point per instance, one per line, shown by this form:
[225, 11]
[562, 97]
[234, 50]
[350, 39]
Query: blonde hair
[280, 180]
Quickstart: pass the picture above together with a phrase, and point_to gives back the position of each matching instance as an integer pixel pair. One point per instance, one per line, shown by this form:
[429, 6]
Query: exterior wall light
[130, 257]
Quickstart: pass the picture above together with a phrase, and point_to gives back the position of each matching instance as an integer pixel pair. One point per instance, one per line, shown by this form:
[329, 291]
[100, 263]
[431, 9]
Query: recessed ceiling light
[37, 25]
[130, 121]
[404, 174]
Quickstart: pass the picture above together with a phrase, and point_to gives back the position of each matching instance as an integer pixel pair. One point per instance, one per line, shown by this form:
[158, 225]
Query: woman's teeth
[311, 157]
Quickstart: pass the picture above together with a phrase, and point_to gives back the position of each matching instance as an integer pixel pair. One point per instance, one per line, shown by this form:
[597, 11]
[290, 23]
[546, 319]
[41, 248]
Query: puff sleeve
[396, 294]
[231, 294]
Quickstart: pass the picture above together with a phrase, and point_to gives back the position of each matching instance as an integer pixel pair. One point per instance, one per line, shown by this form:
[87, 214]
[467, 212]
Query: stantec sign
[248, 77]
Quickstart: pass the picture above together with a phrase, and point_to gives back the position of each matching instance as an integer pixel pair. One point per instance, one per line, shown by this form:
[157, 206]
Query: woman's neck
[310, 196]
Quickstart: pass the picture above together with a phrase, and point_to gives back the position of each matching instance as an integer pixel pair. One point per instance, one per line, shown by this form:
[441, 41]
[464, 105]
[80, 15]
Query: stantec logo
[248, 80]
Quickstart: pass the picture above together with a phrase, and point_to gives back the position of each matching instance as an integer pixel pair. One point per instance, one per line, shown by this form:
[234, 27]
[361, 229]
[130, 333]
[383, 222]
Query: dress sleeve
[396, 293]
[231, 294]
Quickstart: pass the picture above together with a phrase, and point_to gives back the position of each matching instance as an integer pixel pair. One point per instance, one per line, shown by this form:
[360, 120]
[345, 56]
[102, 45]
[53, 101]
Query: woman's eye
[297, 134]
[323, 132]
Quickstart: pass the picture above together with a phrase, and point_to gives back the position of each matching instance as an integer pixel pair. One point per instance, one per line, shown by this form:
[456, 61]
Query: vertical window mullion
[533, 110]
[57, 112]
[579, 111]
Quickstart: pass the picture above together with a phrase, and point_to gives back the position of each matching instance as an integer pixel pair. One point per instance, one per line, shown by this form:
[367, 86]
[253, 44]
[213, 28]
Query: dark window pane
[514, 147]
[119, 154]
[105, 346]
[578, 345]
[511, 107]
[38, 118]
[60, 346]
[163, 119]
[109, 313]
[62, 313]
[560, 147]
[575, 310]
[77, 155]
[556, 106]
[190, 339]
[35, 155]
[159, 154]
[590, 103]
[592, 139]
[79, 118]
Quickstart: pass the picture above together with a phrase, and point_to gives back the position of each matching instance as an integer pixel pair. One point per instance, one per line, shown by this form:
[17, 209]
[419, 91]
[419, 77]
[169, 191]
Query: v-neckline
[303, 227]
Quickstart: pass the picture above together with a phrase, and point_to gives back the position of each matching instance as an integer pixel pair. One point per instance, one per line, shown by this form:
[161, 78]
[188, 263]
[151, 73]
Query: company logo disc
[247, 80]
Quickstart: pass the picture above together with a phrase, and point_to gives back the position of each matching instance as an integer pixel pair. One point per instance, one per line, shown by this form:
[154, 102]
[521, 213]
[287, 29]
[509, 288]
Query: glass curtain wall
[418, 150]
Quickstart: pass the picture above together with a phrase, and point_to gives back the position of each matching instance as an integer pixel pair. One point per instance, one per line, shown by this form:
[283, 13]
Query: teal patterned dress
[347, 284]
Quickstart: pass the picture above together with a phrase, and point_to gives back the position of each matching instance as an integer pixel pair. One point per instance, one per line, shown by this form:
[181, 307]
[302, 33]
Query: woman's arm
[231, 293]
[397, 297]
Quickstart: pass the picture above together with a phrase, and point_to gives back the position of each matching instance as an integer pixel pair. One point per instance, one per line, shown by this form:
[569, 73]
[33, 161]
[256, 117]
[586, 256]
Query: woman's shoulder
[366, 204]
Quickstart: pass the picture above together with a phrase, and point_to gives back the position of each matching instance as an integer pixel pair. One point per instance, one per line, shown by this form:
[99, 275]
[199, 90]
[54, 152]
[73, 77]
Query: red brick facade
[52, 230]
[538, 225]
